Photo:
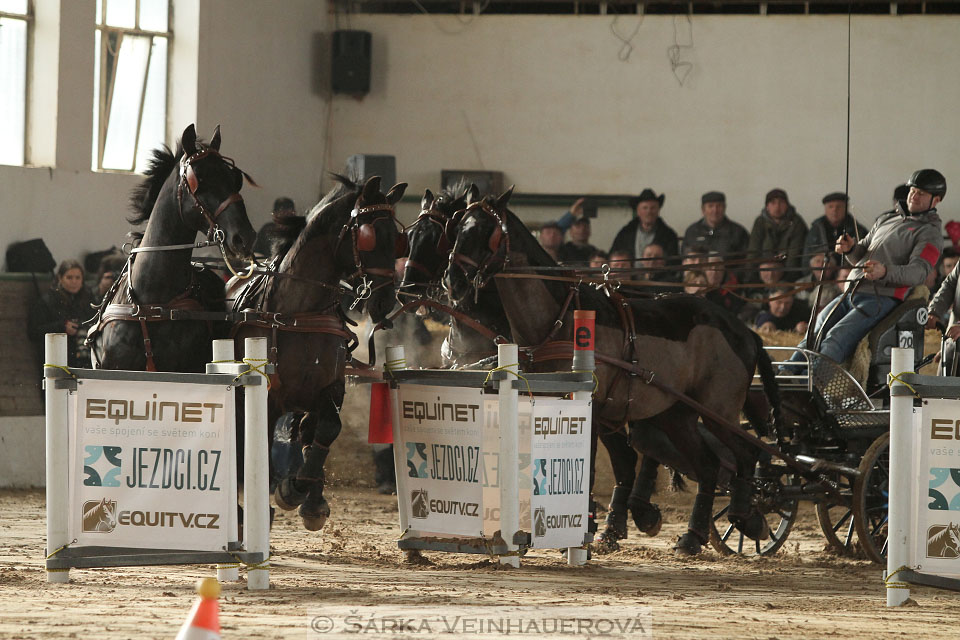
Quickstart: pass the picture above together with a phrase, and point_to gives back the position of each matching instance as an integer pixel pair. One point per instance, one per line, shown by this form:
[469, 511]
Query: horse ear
[371, 189]
[189, 140]
[504, 197]
[215, 140]
[473, 194]
[396, 192]
[427, 200]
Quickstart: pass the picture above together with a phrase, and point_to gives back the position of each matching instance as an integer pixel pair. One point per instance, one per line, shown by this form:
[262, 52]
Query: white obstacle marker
[495, 474]
[142, 466]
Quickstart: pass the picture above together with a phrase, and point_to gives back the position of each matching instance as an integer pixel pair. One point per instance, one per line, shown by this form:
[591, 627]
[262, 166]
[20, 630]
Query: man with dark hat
[896, 255]
[646, 228]
[828, 228]
[716, 232]
[779, 229]
[578, 248]
[282, 229]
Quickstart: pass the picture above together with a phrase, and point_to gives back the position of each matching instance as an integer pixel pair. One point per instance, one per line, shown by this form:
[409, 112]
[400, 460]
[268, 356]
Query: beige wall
[543, 98]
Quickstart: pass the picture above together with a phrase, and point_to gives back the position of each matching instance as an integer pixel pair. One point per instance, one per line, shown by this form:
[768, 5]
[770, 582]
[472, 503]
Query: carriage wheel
[871, 497]
[836, 516]
[779, 512]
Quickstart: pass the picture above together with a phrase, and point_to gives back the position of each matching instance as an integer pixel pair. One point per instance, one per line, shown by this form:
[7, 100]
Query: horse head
[431, 237]
[370, 242]
[481, 249]
[208, 194]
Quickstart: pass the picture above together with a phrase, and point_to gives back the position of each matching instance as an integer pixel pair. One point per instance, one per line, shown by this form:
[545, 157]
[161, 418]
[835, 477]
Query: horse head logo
[99, 516]
[943, 541]
[539, 522]
[420, 505]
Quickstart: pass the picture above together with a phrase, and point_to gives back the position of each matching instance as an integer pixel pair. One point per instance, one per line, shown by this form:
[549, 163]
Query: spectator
[827, 229]
[63, 309]
[821, 269]
[694, 280]
[945, 313]
[716, 232]
[653, 270]
[948, 261]
[110, 268]
[578, 249]
[551, 239]
[900, 195]
[896, 255]
[647, 227]
[783, 314]
[721, 285]
[771, 274]
[598, 259]
[779, 229]
[276, 236]
[620, 261]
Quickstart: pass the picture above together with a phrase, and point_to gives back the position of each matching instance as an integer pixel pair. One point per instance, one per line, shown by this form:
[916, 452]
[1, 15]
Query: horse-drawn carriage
[836, 419]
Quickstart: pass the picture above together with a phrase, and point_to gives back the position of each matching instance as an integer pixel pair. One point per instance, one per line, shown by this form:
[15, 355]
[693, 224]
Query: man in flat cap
[646, 228]
[716, 232]
[276, 236]
[828, 228]
[779, 229]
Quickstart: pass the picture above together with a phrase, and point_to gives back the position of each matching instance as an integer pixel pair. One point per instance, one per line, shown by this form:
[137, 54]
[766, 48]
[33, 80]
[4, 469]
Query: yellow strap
[61, 549]
[62, 368]
[507, 368]
[224, 362]
[596, 382]
[890, 583]
[261, 369]
[263, 565]
[891, 378]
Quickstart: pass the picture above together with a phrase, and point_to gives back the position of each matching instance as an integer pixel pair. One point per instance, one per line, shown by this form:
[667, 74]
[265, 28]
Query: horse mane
[449, 195]
[144, 196]
[323, 216]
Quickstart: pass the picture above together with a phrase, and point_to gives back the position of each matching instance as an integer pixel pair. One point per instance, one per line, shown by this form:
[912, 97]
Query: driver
[896, 255]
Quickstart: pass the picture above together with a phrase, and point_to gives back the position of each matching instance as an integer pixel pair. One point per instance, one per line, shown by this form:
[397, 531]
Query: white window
[130, 82]
[14, 22]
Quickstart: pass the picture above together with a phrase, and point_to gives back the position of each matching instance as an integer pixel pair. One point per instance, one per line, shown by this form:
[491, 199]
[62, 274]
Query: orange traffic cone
[203, 623]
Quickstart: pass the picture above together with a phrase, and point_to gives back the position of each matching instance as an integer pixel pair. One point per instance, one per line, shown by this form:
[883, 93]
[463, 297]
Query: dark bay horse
[690, 344]
[351, 235]
[430, 239]
[194, 190]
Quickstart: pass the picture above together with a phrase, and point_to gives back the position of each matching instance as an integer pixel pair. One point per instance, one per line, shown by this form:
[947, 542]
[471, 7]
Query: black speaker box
[351, 62]
[362, 166]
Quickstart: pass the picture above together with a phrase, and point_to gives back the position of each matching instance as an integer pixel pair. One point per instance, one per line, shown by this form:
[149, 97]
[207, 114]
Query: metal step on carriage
[835, 421]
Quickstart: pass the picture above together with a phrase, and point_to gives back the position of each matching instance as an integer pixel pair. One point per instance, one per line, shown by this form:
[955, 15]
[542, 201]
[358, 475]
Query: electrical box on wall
[489, 182]
[350, 62]
[364, 165]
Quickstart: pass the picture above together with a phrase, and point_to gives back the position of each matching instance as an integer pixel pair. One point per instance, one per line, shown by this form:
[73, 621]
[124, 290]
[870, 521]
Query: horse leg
[623, 460]
[646, 515]
[315, 510]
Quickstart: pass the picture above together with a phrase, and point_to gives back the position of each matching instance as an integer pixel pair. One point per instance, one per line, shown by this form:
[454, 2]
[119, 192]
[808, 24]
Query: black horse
[690, 344]
[430, 239]
[351, 235]
[194, 190]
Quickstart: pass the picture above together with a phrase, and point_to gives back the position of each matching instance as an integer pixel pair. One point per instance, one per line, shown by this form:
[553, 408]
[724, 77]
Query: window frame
[104, 94]
[29, 18]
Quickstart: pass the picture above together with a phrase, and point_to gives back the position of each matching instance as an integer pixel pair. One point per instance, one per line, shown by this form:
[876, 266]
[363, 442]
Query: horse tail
[770, 389]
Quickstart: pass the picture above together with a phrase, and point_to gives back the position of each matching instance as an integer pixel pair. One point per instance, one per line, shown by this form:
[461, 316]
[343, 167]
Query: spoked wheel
[871, 493]
[779, 511]
[836, 516]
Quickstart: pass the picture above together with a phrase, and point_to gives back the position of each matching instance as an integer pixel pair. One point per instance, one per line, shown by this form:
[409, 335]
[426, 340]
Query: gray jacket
[907, 245]
[946, 304]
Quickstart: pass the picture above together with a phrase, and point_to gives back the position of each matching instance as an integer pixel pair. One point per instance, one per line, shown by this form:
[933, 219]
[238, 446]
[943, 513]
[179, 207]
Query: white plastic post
[58, 451]
[223, 357]
[396, 360]
[583, 360]
[898, 526]
[256, 494]
[508, 359]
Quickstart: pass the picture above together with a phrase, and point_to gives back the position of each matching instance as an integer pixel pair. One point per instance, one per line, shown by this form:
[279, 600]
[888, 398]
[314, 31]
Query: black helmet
[929, 180]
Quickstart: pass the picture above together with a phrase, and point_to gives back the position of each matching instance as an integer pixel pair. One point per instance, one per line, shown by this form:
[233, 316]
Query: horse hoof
[287, 496]
[605, 544]
[616, 524]
[753, 526]
[647, 517]
[314, 514]
[689, 544]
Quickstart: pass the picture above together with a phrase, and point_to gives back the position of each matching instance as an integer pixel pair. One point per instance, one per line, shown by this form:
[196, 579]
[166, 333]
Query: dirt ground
[803, 592]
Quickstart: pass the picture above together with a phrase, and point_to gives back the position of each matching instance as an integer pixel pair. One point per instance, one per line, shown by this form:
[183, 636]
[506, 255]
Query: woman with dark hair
[62, 309]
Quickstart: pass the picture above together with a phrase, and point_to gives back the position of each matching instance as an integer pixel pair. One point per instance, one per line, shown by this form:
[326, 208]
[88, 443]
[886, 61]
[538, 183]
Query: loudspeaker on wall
[350, 69]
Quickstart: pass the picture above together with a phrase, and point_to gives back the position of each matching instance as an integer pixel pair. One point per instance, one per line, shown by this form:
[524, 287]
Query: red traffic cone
[381, 416]
[203, 623]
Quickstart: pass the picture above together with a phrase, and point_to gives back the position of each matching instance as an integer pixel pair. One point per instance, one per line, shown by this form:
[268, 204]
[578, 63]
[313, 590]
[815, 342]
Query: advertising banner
[937, 488]
[441, 433]
[491, 458]
[560, 452]
[153, 466]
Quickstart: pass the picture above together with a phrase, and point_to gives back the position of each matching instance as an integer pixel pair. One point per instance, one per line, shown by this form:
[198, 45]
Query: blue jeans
[853, 318]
